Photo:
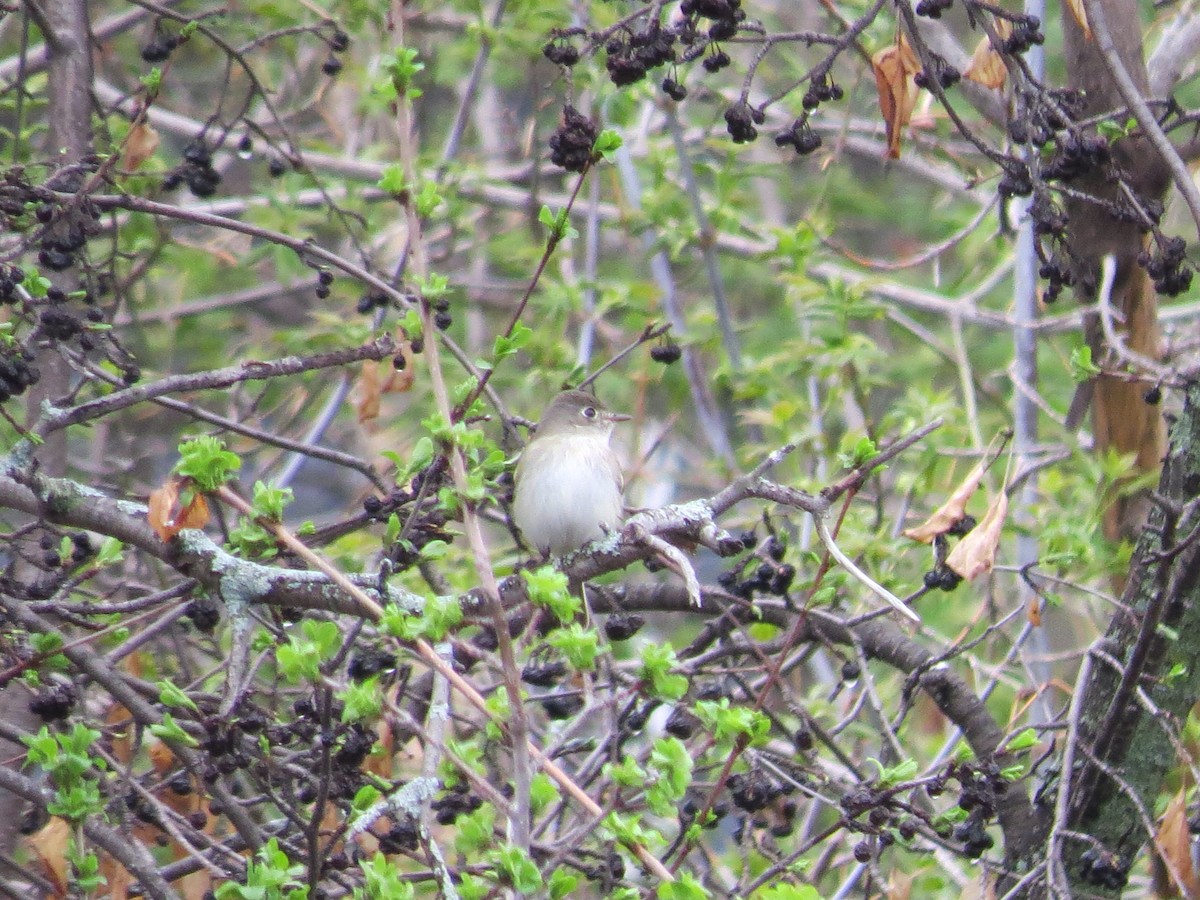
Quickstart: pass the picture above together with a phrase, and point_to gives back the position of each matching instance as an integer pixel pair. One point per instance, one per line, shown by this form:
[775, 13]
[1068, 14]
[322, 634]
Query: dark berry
[571, 144]
[562, 706]
[623, 626]
[666, 353]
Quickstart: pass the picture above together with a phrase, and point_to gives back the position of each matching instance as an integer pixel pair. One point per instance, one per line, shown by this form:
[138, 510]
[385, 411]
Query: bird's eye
[589, 412]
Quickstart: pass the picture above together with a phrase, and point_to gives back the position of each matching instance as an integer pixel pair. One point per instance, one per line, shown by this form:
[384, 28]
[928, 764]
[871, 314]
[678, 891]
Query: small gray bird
[569, 483]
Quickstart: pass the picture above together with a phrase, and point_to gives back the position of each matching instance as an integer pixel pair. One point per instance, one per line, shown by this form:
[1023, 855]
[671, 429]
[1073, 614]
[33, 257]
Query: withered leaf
[1173, 842]
[49, 844]
[975, 554]
[1080, 14]
[366, 399]
[952, 511]
[140, 145]
[895, 70]
[176, 506]
[987, 66]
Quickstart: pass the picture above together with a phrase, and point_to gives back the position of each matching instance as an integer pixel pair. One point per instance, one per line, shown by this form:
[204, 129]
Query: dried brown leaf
[1081, 19]
[140, 145]
[987, 66]
[1173, 842]
[975, 554]
[952, 511]
[895, 70]
[1033, 610]
[117, 880]
[49, 843]
[176, 506]
[366, 399]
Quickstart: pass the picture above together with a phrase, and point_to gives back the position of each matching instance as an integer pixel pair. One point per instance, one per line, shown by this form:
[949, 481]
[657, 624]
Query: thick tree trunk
[1123, 421]
[1156, 645]
[65, 31]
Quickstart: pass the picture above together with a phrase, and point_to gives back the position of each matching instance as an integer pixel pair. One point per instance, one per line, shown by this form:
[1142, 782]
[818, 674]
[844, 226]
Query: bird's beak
[619, 417]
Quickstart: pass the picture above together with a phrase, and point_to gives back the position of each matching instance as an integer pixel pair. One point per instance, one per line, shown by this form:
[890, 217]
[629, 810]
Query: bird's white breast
[563, 502]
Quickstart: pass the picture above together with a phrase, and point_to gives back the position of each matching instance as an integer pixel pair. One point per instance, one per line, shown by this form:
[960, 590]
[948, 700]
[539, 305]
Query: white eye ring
[589, 412]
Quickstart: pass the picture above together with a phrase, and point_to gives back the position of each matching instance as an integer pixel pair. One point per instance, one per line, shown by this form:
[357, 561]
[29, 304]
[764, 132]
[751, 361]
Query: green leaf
[402, 69]
[548, 587]
[383, 880]
[428, 200]
[608, 141]
[110, 552]
[1081, 365]
[441, 615]
[269, 502]
[392, 180]
[856, 452]
[170, 730]
[893, 775]
[170, 695]
[578, 644]
[729, 723]
[475, 831]
[363, 701]
[685, 887]
[517, 869]
[1022, 741]
[657, 662]
[206, 461]
[562, 883]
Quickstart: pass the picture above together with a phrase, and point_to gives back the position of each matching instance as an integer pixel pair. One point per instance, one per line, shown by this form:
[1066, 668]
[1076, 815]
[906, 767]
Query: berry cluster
[752, 790]
[1049, 219]
[666, 353]
[800, 137]
[1168, 266]
[196, 171]
[559, 49]
[1045, 113]
[933, 8]
[160, 47]
[631, 56]
[740, 120]
[64, 234]
[980, 782]
[455, 802]
[622, 626]
[368, 662]
[1015, 182]
[771, 575]
[204, 612]
[822, 89]
[339, 42]
[16, 373]
[1026, 32]
[939, 72]
[674, 89]
[571, 145]
[1104, 869]
[1057, 274]
[425, 526]
[53, 703]
[1077, 155]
